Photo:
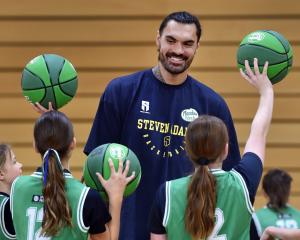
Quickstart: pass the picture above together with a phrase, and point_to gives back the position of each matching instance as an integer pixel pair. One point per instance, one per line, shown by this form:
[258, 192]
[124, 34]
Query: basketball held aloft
[267, 45]
[49, 78]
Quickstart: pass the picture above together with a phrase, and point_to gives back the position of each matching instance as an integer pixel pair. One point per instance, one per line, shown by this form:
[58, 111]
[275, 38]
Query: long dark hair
[206, 139]
[277, 185]
[53, 135]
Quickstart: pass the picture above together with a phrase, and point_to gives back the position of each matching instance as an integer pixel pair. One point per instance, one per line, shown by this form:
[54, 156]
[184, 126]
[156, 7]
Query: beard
[170, 67]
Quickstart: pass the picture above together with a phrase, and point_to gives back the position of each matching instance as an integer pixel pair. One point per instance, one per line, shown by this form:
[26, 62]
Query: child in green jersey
[212, 203]
[51, 204]
[276, 186]
[9, 170]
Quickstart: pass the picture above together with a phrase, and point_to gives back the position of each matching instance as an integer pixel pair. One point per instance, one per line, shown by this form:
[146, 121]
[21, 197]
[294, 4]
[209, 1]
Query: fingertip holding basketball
[49, 78]
[97, 161]
[267, 45]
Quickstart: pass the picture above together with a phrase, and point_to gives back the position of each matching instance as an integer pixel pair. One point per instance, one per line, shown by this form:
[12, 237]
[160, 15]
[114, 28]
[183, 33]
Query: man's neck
[164, 76]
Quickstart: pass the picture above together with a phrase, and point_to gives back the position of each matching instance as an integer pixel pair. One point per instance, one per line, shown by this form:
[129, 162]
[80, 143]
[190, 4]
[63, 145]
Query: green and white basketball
[49, 78]
[267, 45]
[97, 161]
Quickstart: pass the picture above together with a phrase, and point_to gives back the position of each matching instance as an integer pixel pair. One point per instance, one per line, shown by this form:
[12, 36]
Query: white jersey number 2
[218, 225]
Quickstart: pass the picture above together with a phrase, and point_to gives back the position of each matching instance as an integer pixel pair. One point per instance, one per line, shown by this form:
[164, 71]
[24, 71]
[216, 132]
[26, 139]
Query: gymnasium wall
[105, 39]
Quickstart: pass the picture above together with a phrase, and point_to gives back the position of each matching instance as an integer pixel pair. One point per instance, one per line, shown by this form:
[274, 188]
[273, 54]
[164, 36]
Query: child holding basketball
[212, 203]
[9, 170]
[54, 204]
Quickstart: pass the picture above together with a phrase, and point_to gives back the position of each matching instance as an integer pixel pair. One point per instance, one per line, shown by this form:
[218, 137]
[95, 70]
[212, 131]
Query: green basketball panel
[275, 72]
[115, 152]
[67, 73]
[55, 64]
[95, 164]
[48, 97]
[280, 75]
[249, 52]
[131, 187]
[34, 95]
[134, 163]
[30, 81]
[285, 43]
[70, 87]
[60, 97]
[264, 39]
[39, 68]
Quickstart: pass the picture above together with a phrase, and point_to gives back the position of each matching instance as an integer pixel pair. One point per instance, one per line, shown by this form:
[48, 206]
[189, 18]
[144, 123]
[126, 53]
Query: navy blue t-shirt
[151, 117]
[250, 169]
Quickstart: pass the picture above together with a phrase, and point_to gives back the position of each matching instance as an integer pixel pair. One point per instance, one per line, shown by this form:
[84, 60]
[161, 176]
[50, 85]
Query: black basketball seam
[287, 50]
[63, 82]
[104, 156]
[280, 72]
[263, 47]
[55, 103]
[135, 173]
[60, 69]
[37, 77]
[51, 85]
[91, 176]
[268, 65]
[63, 64]
[37, 88]
[63, 90]
[104, 151]
[126, 158]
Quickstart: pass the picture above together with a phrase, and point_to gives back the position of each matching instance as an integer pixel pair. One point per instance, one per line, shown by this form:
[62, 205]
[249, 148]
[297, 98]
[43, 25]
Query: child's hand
[40, 109]
[117, 182]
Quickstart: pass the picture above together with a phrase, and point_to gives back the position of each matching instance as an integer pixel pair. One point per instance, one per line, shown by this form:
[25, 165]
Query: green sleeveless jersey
[27, 202]
[288, 217]
[232, 214]
[4, 234]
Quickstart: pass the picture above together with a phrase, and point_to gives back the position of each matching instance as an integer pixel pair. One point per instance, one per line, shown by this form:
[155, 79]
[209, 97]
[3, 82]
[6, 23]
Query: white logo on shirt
[145, 107]
[189, 115]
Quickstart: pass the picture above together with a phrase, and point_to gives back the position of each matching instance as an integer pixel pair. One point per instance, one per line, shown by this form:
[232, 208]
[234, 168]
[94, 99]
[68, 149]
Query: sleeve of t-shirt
[107, 123]
[8, 220]
[251, 168]
[234, 155]
[157, 211]
[95, 213]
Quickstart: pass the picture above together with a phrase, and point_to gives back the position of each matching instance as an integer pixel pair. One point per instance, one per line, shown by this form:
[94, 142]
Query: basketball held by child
[267, 45]
[49, 78]
[97, 161]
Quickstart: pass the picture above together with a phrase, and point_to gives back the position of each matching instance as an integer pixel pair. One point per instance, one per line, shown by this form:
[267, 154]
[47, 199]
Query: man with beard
[149, 111]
